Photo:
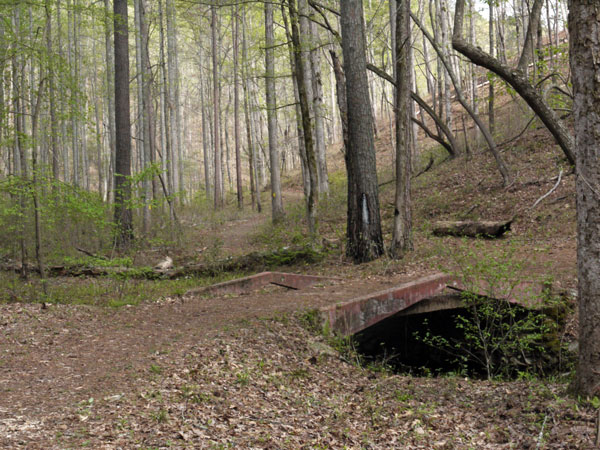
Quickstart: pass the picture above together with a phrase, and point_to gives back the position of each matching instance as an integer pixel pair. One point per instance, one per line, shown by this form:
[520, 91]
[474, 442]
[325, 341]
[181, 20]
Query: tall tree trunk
[402, 232]
[445, 45]
[276, 200]
[365, 241]
[300, 131]
[51, 93]
[150, 186]
[205, 127]
[141, 141]
[219, 198]
[341, 96]
[303, 86]
[173, 94]
[34, 171]
[584, 30]
[19, 152]
[491, 118]
[254, 189]
[305, 44]
[166, 141]
[109, 94]
[474, 95]
[319, 110]
[123, 215]
[236, 108]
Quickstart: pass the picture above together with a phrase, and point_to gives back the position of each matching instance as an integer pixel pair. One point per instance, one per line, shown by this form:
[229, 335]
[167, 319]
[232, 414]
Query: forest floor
[170, 370]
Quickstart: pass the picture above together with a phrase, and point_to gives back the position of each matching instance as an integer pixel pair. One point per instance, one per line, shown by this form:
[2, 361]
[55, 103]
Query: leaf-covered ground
[270, 383]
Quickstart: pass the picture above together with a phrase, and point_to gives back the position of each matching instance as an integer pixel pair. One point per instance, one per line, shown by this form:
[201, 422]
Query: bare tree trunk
[276, 201]
[445, 45]
[34, 171]
[173, 96]
[584, 29]
[123, 215]
[110, 95]
[303, 86]
[167, 147]
[51, 93]
[532, 29]
[205, 132]
[166, 142]
[472, 68]
[319, 111]
[402, 231]
[150, 187]
[365, 241]
[19, 155]
[254, 189]
[141, 141]
[219, 199]
[236, 109]
[299, 126]
[491, 118]
[341, 96]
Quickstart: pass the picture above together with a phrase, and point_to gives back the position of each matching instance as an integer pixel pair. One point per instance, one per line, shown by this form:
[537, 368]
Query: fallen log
[252, 262]
[471, 228]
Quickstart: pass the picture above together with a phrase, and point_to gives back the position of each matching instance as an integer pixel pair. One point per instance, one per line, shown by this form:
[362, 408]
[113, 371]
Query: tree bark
[51, 94]
[584, 29]
[402, 231]
[276, 201]
[303, 84]
[365, 241]
[110, 96]
[299, 127]
[341, 96]
[319, 110]
[219, 197]
[491, 96]
[236, 108]
[123, 215]
[254, 189]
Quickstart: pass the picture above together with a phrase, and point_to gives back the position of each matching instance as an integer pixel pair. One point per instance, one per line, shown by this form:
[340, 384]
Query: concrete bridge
[349, 316]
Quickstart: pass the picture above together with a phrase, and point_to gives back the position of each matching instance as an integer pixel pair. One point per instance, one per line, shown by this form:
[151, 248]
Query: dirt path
[52, 359]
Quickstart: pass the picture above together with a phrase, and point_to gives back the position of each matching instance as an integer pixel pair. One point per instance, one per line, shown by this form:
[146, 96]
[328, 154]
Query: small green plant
[504, 338]
[155, 369]
[161, 416]
[243, 378]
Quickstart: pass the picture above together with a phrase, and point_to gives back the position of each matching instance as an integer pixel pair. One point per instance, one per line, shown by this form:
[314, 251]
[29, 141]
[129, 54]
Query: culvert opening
[473, 336]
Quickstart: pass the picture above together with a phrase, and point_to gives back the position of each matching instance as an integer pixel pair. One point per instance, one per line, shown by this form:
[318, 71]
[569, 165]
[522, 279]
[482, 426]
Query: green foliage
[504, 338]
[99, 291]
[157, 370]
[69, 215]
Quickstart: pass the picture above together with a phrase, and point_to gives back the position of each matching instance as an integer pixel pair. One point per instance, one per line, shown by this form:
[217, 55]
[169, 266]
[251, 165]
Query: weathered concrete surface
[359, 313]
[253, 282]
[436, 292]
[438, 302]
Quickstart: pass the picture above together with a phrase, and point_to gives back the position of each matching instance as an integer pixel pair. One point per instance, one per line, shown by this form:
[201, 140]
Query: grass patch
[99, 291]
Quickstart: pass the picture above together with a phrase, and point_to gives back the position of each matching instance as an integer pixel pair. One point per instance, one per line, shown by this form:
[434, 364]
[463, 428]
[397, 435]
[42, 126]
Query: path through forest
[54, 358]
